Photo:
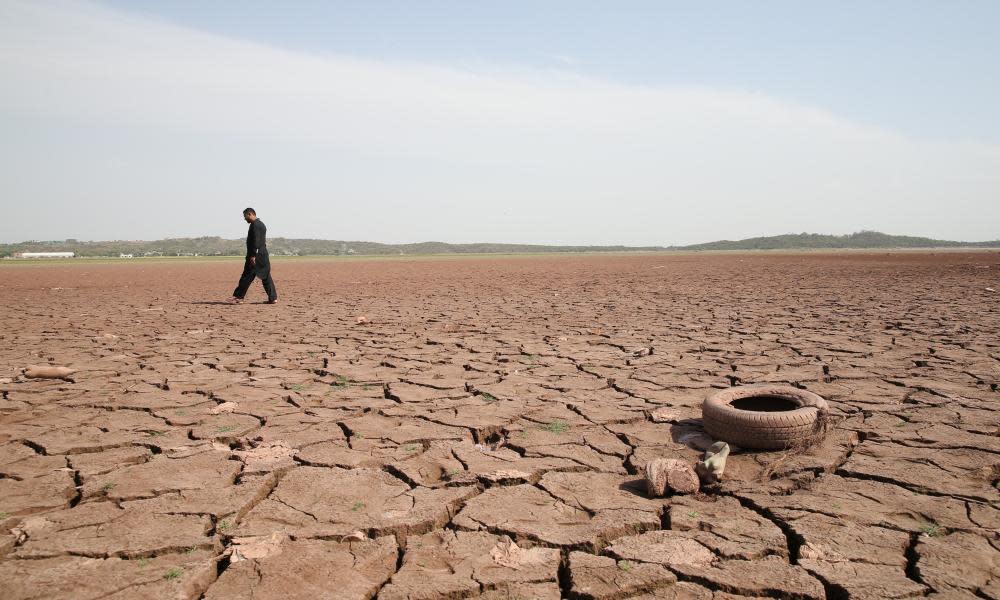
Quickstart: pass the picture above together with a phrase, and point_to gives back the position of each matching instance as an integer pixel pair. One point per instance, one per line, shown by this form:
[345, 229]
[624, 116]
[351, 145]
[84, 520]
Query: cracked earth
[475, 427]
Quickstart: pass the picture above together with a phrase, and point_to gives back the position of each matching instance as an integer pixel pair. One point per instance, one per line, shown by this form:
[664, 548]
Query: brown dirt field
[481, 436]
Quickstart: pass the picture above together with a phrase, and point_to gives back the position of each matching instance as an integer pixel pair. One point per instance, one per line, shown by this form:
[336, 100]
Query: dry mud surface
[480, 435]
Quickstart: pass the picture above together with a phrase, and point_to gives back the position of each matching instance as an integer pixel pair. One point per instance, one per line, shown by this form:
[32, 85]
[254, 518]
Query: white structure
[46, 255]
[126, 256]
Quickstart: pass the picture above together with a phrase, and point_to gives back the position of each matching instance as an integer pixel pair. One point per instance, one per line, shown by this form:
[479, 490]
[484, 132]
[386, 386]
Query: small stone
[670, 475]
[47, 372]
[664, 414]
[354, 536]
[256, 548]
[225, 407]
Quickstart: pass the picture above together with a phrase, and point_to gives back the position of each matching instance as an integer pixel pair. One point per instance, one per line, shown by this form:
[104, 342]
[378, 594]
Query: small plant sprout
[411, 447]
[224, 525]
[107, 487]
[487, 397]
[173, 573]
[142, 562]
[556, 426]
[4, 515]
[931, 529]
[154, 433]
[358, 506]
[625, 565]
[225, 428]
[340, 381]
[693, 514]
[298, 387]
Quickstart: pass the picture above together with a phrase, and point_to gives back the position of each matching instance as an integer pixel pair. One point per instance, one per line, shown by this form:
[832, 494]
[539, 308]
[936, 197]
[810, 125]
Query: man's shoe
[234, 300]
[275, 301]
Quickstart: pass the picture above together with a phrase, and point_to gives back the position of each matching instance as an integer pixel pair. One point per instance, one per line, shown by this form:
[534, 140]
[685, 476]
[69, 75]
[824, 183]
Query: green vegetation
[107, 487]
[625, 565]
[218, 247]
[173, 573]
[4, 515]
[931, 529]
[556, 426]
[143, 562]
[411, 447]
[298, 387]
[488, 397]
[358, 506]
[225, 428]
[224, 525]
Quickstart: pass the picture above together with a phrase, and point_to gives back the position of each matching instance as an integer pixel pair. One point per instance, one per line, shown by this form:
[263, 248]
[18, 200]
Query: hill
[858, 241]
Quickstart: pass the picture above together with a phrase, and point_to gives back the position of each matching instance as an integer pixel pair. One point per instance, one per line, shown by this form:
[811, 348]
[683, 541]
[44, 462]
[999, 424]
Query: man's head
[250, 215]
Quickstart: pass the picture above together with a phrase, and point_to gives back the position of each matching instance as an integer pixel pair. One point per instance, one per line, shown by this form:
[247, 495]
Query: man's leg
[245, 280]
[272, 294]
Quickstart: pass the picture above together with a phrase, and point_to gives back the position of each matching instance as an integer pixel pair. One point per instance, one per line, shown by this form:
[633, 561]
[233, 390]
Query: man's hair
[249, 211]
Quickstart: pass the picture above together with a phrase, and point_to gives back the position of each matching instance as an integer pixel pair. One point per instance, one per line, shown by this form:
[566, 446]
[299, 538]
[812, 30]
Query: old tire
[800, 419]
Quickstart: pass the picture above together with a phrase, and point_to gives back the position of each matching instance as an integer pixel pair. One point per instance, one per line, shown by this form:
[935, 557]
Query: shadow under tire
[785, 416]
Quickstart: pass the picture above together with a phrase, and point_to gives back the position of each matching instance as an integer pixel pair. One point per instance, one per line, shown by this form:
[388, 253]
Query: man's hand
[253, 261]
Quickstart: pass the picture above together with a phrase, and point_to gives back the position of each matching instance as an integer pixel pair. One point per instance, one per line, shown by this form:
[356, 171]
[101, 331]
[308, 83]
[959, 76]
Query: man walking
[258, 264]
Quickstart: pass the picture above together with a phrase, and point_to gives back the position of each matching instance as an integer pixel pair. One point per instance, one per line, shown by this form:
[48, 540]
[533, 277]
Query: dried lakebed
[481, 432]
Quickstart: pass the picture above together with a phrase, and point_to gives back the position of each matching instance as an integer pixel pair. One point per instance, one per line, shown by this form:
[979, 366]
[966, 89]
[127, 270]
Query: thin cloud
[492, 153]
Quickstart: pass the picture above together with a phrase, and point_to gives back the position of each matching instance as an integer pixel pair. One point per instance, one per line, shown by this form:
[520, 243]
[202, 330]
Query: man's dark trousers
[261, 269]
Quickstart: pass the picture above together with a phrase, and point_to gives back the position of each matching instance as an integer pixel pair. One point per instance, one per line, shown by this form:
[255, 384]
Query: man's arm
[258, 237]
[258, 240]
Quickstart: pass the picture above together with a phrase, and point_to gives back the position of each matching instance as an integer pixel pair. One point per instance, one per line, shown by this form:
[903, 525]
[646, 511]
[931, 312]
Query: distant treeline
[216, 246]
[860, 240]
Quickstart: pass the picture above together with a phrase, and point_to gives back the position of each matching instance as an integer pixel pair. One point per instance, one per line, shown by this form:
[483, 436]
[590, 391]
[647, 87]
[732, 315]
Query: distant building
[126, 256]
[45, 255]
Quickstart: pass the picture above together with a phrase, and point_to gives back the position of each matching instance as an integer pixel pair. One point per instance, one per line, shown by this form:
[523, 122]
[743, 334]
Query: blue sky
[927, 68]
[545, 122]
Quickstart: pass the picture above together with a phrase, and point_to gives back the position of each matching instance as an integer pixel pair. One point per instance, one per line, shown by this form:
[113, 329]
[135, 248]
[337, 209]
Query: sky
[554, 122]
